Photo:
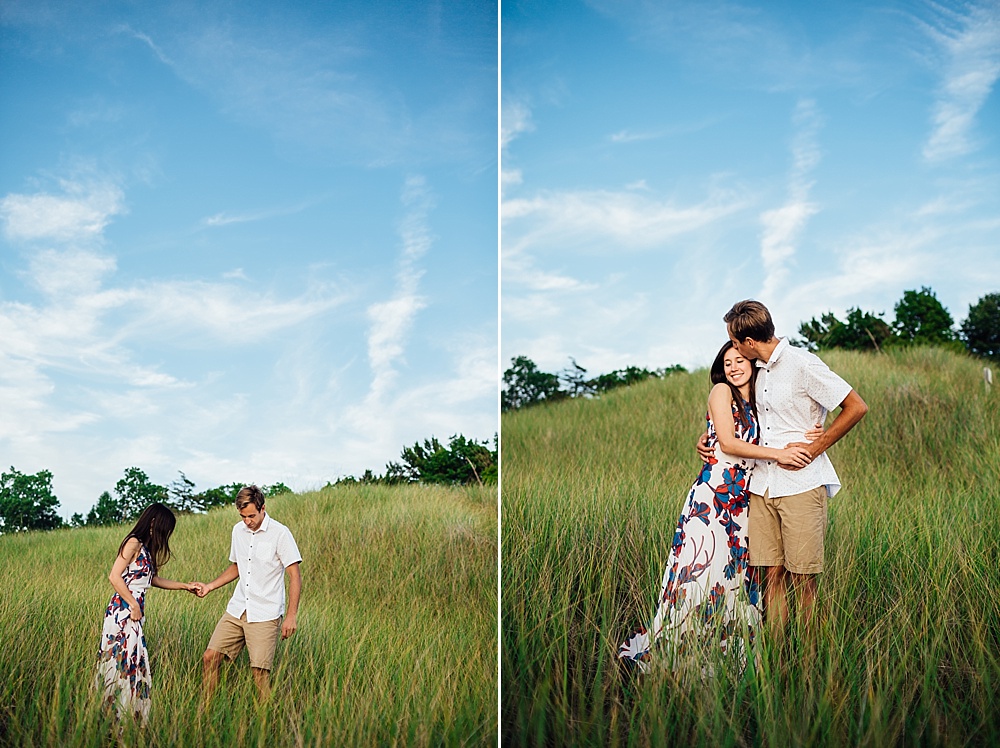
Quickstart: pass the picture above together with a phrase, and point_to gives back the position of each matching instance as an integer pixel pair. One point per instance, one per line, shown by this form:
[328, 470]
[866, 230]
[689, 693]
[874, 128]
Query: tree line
[27, 502]
[462, 462]
[919, 319]
[525, 384]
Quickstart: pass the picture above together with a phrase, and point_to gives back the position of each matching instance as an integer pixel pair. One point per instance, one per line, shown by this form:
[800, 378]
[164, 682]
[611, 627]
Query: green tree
[862, 331]
[27, 502]
[619, 378]
[107, 511]
[462, 461]
[981, 329]
[922, 319]
[219, 496]
[135, 492]
[182, 496]
[525, 385]
[275, 490]
[574, 377]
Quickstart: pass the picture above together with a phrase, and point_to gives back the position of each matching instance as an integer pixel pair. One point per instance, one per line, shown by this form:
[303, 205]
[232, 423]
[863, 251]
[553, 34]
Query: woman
[123, 664]
[709, 596]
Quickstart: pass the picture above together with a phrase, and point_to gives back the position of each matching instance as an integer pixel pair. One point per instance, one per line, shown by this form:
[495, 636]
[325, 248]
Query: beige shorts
[788, 531]
[260, 639]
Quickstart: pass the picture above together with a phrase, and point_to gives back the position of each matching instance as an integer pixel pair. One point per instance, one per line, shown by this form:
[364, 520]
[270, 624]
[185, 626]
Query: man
[788, 508]
[262, 551]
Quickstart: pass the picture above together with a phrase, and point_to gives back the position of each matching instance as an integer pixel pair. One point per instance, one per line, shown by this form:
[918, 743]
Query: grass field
[909, 613]
[396, 640]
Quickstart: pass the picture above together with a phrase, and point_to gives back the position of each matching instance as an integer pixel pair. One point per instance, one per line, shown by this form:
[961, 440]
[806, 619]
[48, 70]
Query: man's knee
[212, 657]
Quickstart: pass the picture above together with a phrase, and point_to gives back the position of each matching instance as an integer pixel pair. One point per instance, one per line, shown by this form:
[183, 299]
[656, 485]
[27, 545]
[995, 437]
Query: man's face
[745, 349]
[252, 516]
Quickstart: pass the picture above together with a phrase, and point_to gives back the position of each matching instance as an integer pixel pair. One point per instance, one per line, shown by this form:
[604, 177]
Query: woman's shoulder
[131, 548]
[721, 393]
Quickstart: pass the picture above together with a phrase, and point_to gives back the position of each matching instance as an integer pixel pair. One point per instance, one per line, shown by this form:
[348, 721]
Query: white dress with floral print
[708, 596]
[122, 660]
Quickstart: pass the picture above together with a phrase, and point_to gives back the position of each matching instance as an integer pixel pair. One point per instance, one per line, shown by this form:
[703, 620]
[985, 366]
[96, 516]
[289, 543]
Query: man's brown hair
[749, 319]
[249, 495]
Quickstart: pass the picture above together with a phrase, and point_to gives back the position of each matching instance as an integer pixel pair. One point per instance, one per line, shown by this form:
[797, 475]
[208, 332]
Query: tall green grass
[908, 637]
[396, 640]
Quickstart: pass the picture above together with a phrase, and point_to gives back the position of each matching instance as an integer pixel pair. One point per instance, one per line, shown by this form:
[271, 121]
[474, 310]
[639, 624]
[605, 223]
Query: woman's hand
[793, 458]
[135, 612]
[705, 452]
[815, 432]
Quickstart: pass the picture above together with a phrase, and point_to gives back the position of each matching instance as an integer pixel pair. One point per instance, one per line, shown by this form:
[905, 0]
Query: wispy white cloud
[391, 320]
[784, 225]
[80, 213]
[969, 43]
[626, 219]
[515, 119]
[625, 136]
[226, 219]
[147, 40]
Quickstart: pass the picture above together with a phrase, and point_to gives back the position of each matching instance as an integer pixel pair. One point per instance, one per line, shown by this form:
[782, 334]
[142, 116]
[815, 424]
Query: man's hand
[203, 589]
[705, 452]
[288, 626]
[194, 588]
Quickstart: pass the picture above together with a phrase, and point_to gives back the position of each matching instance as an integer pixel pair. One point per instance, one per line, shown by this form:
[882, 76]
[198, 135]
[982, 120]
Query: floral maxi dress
[708, 597]
[122, 660]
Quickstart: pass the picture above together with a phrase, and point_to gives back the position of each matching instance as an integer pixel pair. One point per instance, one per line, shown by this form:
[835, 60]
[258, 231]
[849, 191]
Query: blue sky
[662, 160]
[248, 241]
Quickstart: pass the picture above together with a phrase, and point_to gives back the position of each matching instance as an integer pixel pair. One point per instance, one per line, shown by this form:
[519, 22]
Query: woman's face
[736, 368]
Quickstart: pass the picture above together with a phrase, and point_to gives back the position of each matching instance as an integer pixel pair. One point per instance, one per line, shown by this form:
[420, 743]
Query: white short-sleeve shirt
[795, 390]
[261, 558]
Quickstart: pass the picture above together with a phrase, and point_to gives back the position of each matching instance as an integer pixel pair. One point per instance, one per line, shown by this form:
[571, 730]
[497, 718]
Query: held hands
[197, 588]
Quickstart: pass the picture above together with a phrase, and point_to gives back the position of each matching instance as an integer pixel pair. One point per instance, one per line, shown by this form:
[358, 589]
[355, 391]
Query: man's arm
[231, 573]
[289, 625]
[852, 410]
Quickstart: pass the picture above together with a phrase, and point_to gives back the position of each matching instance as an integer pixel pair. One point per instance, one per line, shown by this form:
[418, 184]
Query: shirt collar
[263, 525]
[781, 346]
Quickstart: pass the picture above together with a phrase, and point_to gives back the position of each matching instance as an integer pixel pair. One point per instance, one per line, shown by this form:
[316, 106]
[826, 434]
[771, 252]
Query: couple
[262, 550]
[761, 419]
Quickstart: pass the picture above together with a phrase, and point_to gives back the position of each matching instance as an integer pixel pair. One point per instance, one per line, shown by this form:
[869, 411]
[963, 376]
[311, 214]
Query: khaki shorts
[788, 531]
[260, 638]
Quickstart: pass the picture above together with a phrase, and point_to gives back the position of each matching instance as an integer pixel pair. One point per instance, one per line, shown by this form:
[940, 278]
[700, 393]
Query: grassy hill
[396, 642]
[909, 636]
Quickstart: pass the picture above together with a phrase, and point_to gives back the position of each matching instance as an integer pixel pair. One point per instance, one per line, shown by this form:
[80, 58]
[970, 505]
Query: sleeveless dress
[122, 660]
[709, 596]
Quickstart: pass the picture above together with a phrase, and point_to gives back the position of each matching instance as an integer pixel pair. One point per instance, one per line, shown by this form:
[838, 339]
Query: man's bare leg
[776, 599]
[211, 661]
[263, 680]
[805, 586]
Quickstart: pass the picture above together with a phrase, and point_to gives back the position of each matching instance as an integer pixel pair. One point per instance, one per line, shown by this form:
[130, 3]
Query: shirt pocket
[264, 549]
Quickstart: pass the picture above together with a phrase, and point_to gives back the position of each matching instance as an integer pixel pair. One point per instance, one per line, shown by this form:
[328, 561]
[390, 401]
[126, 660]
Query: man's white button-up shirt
[261, 558]
[795, 390]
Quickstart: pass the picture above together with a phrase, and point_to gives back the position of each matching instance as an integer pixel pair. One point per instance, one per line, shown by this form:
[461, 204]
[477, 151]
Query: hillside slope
[910, 635]
[396, 641]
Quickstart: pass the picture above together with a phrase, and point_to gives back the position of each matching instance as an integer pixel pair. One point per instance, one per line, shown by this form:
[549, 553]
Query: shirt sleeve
[824, 386]
[232, 546]
[288, 551]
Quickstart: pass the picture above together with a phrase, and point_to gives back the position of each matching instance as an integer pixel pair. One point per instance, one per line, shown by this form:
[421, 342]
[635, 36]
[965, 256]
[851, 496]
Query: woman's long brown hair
[718, 375]
[153, 530]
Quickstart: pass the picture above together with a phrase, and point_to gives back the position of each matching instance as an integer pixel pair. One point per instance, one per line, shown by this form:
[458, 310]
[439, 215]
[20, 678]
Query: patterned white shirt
[261, 557]
[795, 390]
